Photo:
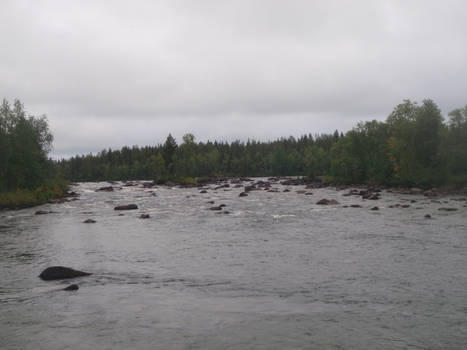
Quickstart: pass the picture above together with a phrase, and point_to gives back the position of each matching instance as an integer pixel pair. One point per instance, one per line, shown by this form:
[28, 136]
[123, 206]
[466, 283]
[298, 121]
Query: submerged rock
[105, 189]
[221, 186]
[89, 221]
[144, 216]
[249, 188]
[126, 207]
[41, 212]
[416, 190]
[355, 206]
[374, 208]
[448, 209]
[371, 196]
[72, 287]
[61, 272]
[431, 193]
[243, 194]
[327, 202]
[427, 216]
[218, 207]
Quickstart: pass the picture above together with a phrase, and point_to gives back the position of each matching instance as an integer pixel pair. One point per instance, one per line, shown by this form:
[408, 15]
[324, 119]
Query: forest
[414, 146]
[27, 175]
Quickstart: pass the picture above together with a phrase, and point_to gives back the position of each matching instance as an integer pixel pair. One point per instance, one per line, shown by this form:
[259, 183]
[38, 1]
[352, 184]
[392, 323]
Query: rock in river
[105, 189]
[126, 207]
[327, 202]
[61, 272]
[72, 287]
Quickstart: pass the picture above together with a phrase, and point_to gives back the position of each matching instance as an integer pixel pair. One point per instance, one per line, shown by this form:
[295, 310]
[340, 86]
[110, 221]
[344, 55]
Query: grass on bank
[24, 198]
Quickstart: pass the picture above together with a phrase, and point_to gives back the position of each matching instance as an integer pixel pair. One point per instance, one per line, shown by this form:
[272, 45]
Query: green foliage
[413, 147]
[25, 142]
[168, 152]
[454, 147]
[27, 176]
[23, 197]
[185, 181]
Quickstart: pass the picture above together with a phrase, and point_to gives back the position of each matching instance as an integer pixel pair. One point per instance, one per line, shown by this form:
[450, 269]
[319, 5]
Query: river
[277, 271]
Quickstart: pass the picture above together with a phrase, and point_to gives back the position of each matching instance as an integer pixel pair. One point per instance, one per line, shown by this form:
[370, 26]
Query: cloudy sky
[115, 73]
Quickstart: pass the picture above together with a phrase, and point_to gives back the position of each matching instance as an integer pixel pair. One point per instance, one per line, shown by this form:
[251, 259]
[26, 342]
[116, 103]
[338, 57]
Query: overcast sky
[115, 73]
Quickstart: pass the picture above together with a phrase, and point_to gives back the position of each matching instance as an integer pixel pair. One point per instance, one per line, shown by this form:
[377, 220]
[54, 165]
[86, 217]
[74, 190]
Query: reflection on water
[276, 272]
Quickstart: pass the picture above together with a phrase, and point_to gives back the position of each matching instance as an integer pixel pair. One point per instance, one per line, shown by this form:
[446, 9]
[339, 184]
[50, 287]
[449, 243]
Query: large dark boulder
[61, 272]
[126, 207]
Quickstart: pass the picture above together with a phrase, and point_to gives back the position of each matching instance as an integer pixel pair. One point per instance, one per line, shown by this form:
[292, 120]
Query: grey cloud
[294, 67]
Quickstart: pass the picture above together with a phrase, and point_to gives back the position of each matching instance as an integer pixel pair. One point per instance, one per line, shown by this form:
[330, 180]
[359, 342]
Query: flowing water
[277, 272]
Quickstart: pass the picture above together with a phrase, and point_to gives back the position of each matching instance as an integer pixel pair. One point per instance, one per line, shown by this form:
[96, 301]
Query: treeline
[415, 146]
[27, 175]
[199, 159]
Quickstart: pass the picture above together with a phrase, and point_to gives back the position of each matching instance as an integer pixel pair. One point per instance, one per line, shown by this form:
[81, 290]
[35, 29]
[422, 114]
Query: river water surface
[277, 272]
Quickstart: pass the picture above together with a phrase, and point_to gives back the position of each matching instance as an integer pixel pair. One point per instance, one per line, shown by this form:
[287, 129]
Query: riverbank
[53, 192]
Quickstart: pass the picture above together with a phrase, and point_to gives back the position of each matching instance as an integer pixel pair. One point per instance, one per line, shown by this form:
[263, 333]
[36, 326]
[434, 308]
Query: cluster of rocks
[61, 272]
[370, 193]
[366, 192]
[300, 181]
[398, 205]
[69, 196]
